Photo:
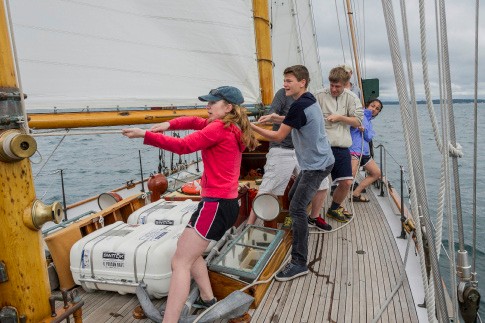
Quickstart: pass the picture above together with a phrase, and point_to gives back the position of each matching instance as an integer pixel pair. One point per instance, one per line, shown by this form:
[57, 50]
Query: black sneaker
[200, 303]
[337, 215]
[355, 186]
[319, 223]
[291, 271]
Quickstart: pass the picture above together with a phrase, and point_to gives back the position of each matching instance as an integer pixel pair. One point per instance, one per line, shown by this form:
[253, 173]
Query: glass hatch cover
[248, 253]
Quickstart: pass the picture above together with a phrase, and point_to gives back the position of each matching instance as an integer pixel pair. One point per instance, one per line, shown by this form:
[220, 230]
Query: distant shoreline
[437, 101]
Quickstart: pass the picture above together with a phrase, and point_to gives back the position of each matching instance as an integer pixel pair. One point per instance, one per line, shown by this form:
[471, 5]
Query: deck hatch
[248, 253]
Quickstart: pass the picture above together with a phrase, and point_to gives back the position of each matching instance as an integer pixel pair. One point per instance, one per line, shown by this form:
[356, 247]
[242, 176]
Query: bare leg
[317, 203]
[342, 190]
[189, 249]
[201, 276]
[374, 174]
[252, 217]
[355, 166]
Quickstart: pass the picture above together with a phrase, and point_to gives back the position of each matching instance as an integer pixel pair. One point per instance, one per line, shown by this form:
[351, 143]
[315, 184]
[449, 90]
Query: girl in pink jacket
[221, 137]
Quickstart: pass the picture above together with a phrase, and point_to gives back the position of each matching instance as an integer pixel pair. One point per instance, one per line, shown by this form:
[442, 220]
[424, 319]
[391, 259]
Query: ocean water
[94, 164]
[389, 133]
[98, 163]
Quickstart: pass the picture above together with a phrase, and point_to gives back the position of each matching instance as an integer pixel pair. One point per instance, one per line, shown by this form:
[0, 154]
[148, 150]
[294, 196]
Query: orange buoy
[191, 188]
[158, 185]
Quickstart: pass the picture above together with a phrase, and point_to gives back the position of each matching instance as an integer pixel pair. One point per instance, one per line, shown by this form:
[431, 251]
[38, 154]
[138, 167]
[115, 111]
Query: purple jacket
[356, 134]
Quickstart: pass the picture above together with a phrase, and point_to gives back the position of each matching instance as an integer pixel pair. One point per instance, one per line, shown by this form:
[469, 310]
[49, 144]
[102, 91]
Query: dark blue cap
[228, 93]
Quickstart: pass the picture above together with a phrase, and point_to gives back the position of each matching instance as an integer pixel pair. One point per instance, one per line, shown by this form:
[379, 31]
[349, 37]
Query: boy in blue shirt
[305, 122]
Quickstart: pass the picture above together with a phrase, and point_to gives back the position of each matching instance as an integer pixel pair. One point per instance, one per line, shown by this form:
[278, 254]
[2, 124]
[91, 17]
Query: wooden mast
[354, 48]
[25, 285]
[263, 49]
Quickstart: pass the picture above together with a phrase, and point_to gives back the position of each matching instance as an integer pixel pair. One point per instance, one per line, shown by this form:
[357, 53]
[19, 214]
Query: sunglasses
[216, 92]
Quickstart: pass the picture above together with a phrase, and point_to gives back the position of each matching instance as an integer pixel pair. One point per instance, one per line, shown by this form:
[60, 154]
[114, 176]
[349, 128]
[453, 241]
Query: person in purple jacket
[361, 136]
[221, 137]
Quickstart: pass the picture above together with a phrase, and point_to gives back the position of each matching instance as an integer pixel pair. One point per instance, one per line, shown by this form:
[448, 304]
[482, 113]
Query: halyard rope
[403, 98]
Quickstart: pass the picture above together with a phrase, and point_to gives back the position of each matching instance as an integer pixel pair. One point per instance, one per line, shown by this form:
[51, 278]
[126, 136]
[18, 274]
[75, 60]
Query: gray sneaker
[291, 271]
[200, 303]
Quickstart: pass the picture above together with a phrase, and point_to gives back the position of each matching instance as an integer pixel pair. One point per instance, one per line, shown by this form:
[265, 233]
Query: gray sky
[374, 45]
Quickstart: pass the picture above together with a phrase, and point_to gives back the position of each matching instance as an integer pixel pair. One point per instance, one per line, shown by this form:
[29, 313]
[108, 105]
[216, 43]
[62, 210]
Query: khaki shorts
[323, 184]
[280, 165]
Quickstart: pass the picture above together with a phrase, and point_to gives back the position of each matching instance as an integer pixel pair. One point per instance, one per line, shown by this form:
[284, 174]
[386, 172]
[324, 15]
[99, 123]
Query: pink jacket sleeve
[204, 138]
[186, 123]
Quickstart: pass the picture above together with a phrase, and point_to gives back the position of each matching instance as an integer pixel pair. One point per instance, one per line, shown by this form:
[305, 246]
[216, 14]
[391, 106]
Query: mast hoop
[263, 19]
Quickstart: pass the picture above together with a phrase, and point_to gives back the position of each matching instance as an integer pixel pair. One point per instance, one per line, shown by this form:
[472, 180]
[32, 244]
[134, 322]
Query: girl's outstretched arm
[134, 133]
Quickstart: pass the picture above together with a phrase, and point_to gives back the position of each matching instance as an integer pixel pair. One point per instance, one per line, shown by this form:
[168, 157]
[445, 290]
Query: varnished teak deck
[352, 272]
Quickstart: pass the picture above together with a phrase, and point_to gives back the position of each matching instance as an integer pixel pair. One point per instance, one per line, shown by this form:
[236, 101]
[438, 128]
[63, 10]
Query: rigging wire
[434, 252]
[346, 10]
[362, 34]
[354, 47]
[315, 38]
[357, 22]
[50, 155]
[294, 12]
[364, 62]
[422, 194]
[25, 123]
[451, 118]
[443, 177]
[339, 31]
[422, 200]
[445, 166]
[475, 149]
[50, 185]
[403, 98]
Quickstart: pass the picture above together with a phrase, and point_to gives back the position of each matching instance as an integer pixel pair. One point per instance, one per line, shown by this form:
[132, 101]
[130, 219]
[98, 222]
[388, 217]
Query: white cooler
[164, 212]
[120, 256]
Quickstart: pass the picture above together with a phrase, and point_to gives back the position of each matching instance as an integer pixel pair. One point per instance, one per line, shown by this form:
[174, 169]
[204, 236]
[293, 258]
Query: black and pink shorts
[364, 160]
[214, 216]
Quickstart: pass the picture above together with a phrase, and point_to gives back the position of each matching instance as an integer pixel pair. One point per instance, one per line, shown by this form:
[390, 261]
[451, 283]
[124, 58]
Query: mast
[24, 281]
[263, 49]
[350, 14]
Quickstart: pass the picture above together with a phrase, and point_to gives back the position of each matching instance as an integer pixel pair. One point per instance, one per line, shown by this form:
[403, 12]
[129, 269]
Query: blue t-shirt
[312, 148]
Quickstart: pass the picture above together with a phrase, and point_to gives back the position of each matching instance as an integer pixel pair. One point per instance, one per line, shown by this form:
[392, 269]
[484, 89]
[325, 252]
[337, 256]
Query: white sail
[127, 53]
[294, 41]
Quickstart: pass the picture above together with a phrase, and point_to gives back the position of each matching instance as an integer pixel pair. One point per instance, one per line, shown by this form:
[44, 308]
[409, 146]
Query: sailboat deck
[351, 273]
